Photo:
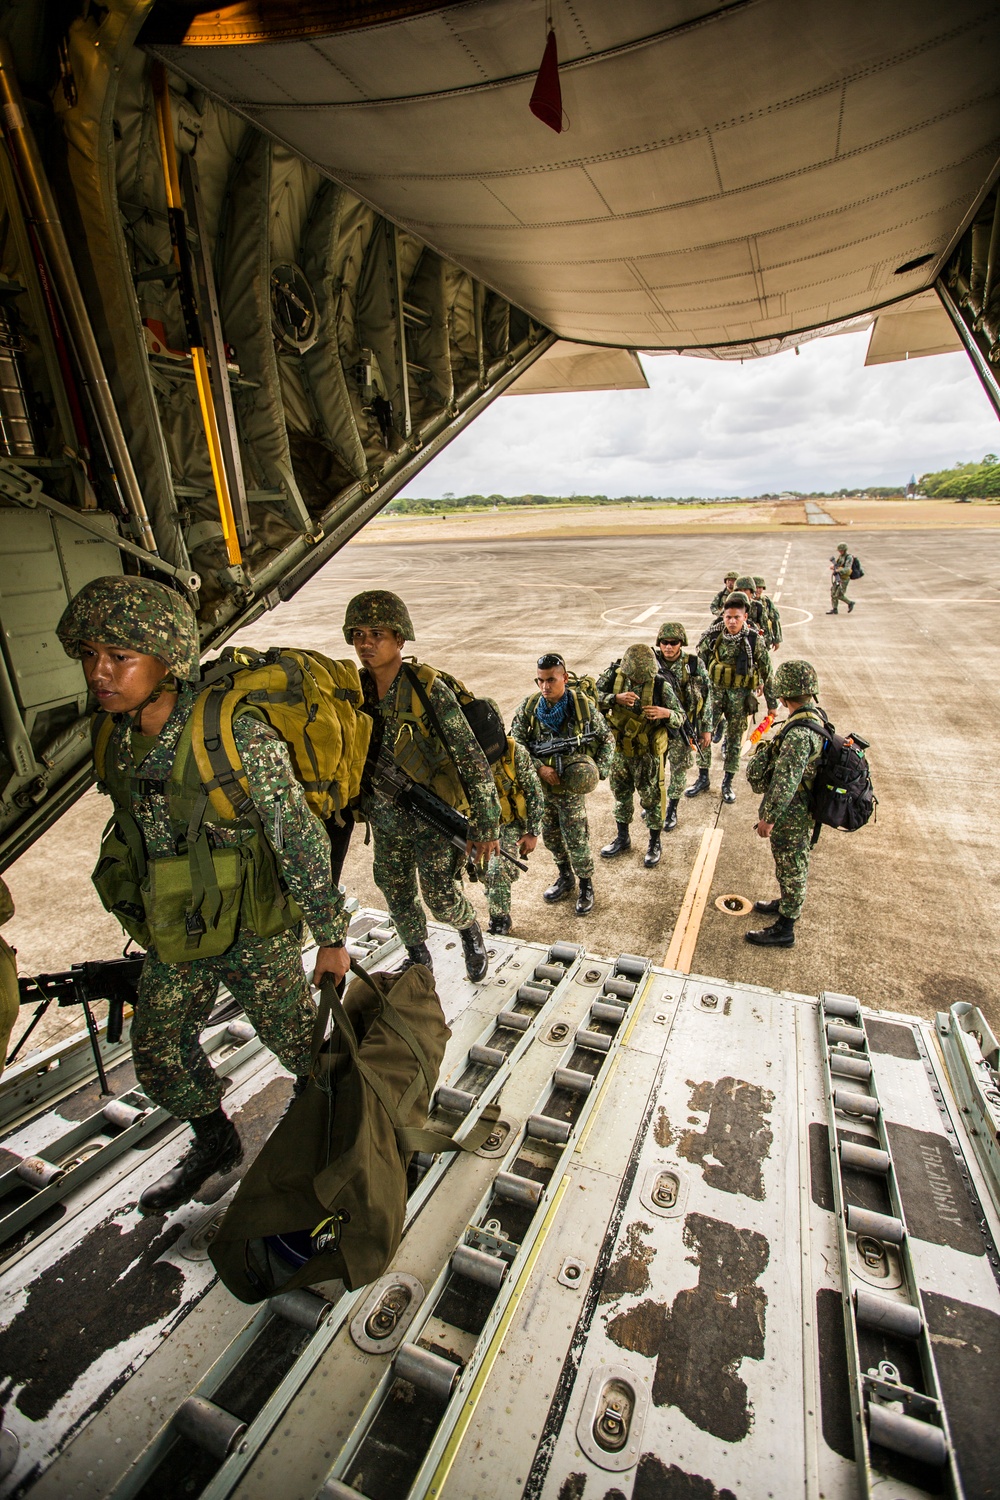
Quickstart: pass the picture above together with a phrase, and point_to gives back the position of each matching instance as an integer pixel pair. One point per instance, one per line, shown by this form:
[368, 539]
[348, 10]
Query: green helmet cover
[639, 663]
[737, 600]
[672, 630]
[134, 614]
[796, 679]
[745, 583]
[841, 546]
[579, 776]
[378, 609]
[759, 581]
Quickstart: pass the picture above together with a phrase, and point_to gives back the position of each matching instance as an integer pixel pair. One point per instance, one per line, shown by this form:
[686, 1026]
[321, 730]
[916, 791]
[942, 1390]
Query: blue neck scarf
[552, 715]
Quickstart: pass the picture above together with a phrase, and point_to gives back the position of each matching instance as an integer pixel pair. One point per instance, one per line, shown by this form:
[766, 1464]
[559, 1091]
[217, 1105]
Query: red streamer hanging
[546, 97]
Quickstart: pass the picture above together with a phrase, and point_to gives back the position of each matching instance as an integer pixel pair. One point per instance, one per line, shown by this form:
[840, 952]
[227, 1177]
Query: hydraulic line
[189, 309]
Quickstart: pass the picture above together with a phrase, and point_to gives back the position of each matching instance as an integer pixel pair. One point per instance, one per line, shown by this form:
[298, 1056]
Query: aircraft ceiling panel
[810, 146]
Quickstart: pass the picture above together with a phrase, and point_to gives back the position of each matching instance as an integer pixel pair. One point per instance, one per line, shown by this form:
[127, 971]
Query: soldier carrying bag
[325, 1199]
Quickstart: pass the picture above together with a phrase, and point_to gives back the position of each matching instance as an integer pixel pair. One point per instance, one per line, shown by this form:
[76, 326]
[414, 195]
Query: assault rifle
[558, 746]
[113, 979]
[393, 785]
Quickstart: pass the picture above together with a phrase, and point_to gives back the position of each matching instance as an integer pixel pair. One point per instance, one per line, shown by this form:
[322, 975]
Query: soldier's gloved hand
[526, 844]
[333, 960]
[654, 711]
[483, 851]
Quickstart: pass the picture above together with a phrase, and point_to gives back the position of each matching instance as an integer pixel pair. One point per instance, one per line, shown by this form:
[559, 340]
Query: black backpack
[857, 571]
[842, 795]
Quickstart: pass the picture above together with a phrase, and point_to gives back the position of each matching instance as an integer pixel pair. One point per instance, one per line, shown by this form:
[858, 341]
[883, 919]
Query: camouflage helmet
[759, 581]
[841, 546]
[378, 609]
[639, 663]
[672, 630]
[796, 679]
[134, 614]
[745, 584]
[736, 600]
[731, 573]
[579, 776]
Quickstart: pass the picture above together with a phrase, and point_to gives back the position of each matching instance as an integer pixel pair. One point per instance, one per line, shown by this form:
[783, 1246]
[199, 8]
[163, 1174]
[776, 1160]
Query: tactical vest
[577, 721]
[192, 904]
[683, 677]
[635, 734]
[513, 805]
[760, 767]
[724, 674]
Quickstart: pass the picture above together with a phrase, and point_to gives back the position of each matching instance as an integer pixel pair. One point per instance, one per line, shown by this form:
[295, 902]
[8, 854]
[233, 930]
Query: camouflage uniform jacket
[842, 565]
[526, 728]
[718, 602]
[693, 688]
[663, 695]
[462, 746]
[527, 778]
[794, 771]
[772, 622]
[296, 836]
[733, 652]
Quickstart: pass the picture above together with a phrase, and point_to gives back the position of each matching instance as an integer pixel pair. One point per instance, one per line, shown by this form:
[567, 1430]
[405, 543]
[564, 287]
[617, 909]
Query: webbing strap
[418, 687]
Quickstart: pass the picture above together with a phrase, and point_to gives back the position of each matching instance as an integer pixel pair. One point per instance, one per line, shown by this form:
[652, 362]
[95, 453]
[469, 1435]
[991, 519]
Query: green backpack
[325, 1199]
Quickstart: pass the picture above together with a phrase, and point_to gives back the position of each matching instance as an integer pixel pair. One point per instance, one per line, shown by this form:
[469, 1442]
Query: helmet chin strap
[162, 686]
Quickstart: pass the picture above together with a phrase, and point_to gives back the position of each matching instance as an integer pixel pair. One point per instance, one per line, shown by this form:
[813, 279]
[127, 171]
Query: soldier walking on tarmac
[522, 807]
[418, 724]
[771, 619]
[687, 676]
[729, 583]
[560, 711]
[841, 567]
[640, 705]
[784, 768]
[739, 667]
[229, 908]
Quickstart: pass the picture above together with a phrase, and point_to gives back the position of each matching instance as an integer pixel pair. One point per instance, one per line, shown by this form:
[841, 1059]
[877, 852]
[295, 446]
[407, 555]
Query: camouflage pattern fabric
[680, 758]
[638, 774]
[772, 623]
[565, 831]
[411, 850]
[729, 705]
[135, 614]
[526, 729]
[693, 689]
[840, 577]
[501, 874]
[174, 1001]
[377, 609]
[786, 805]
[296, 835]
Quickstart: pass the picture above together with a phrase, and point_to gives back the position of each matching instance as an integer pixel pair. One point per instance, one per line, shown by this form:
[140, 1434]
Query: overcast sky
[814, 421]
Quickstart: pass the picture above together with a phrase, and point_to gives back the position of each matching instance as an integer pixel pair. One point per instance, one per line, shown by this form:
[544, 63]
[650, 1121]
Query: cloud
[814, 421]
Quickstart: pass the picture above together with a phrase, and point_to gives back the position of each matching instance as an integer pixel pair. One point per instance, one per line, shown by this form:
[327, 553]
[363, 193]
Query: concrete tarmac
[902, 913]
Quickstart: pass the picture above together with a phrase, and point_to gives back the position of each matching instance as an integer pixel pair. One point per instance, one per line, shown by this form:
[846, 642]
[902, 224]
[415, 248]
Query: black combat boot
[585, 900]
[767, 908]
[781, 935]
[670, 820]
[652, 856]
[416, 953]
[500, 924]
[477, 960]
[619, 844]
[850, 605]
[216, 1148]
[728, 795]
[565, 885]
[701, 785]
[833, 611]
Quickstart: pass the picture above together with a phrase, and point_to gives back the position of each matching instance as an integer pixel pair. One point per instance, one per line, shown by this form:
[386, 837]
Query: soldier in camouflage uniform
[727, 588]
[756, 611]
[138, 642]
[772, 619]
[739, 667]
[840, 569]
[693, 687]
[784, 768]
[640, 705]
[559, 710]
[433, 744]
[522, 808]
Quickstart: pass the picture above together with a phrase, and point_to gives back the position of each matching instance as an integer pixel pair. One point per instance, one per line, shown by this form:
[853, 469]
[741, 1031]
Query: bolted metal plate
[391, 1305]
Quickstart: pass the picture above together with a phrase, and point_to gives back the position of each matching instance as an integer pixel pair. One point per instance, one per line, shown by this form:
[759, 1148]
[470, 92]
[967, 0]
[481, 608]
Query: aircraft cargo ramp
[723, 1241]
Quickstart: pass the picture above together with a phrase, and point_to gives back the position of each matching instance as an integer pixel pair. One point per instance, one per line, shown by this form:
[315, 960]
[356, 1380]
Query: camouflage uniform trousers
[729, 704]
[791, 839]
[680, 757]
[565, 831]
[264, 974]
[638, 774]
[399, 859]
[501, 874]
[838, 589]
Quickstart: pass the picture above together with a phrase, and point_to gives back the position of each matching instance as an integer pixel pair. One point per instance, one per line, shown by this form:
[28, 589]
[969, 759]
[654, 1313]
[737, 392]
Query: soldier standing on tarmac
[728, 585]
[739, 667]
[415, 712]
[560, 711]
[840, 568]
[784, 768]
[693, 687]
[772, 619]
[138, 642]
[639, 704]
[522, 807]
